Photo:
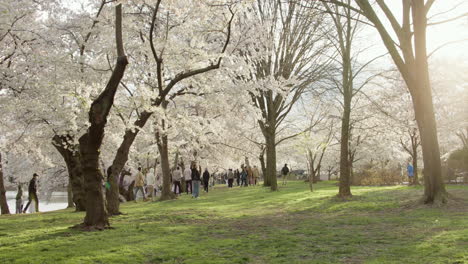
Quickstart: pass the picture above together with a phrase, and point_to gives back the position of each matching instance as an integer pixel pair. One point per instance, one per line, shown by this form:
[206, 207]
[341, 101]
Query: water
[57, 201]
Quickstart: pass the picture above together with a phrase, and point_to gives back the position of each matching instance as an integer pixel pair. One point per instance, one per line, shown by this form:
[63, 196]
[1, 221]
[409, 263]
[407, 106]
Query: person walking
[410, 170]
[256, 174]
[151, 184]
[32, 193]
[177, 177]
[195, 181]
[237, 176]
[206, 180]
[250, 175]
[243, 176]
[19, 200]
[188, 180]
[285, 172]
[230, 176]
[139, 184]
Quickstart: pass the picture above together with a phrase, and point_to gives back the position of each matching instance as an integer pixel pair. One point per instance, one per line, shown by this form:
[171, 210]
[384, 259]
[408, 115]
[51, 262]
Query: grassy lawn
[254, 225]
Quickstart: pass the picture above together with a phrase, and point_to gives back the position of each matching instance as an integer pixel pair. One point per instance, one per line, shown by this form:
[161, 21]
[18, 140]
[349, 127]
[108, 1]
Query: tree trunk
[121, 158]
[90, 143]
[166, 193]
[70, 196]
[71, 156]
[415, 162]
[96, 213]
[3, 201]
[345, 189]
[271, 160]
[266, 182]
[434, 191]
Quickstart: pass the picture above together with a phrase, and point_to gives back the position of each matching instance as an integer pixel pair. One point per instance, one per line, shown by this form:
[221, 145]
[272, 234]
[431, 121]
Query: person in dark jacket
[32, 192]
[206, 180]
[195, 181]
[243, 177]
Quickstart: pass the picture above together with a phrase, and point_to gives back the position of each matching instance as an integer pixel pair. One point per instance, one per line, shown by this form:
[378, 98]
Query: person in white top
[188, 179]
[176, 177]
[150, 184]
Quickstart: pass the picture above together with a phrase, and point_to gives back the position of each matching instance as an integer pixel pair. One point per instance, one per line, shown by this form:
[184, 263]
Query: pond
[55, 201]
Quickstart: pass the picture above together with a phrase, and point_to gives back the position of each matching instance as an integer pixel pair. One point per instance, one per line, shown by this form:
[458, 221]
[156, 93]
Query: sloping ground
[253, 225]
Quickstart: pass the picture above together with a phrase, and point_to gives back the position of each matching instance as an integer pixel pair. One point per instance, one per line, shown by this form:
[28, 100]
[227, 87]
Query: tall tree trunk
[415, 162]
[90, 143]
[434, 190]
[70, 196]
[345, 181]
[3, 200]
[71, 156]
[96, 213]
[310, 159]
[266, 181]
[166, 193]
[121, 158]
[271, 159]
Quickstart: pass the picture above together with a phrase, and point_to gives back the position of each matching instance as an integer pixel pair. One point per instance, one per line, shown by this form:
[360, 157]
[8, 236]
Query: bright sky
[438, 35]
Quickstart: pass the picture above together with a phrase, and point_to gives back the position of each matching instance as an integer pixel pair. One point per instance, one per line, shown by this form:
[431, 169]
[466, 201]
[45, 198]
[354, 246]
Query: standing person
[256, 174]
[32, 193]
[176, 177]
[139, 183]
[243, 176]
[237, 176]
[285, 171]
[195, 181]
[410, 171]
[19, 200]
[206, 179]
[150, 184]
[188, 179]
[250, 175]
[230, 176]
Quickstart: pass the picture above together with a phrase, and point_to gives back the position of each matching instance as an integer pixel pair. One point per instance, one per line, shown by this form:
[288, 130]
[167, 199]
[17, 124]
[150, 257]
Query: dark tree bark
[90, 143]
[345, 171]
[411, 61]
[3, 201]
[263, 166]
[162, 142]
[271, 159]
[345, 30]
[71, 156]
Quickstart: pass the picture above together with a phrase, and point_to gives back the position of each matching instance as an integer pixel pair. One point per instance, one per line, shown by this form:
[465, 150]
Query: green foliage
[459, 159]
[254, 225]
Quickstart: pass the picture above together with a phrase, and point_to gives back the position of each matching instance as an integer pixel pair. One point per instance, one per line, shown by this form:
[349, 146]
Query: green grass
[254, 225]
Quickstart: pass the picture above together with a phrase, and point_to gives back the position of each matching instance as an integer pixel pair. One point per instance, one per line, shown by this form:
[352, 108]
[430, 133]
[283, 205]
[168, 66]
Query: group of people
[245, 177]
[191, 176]
[192, 179]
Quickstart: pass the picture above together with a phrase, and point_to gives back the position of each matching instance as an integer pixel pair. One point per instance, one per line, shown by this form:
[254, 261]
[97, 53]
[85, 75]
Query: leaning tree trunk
[345, 177]
[166, 193]
[3, 200]
[90, 143]
[271, 159]
[434, 191]
[121, 158]
[72, 159]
